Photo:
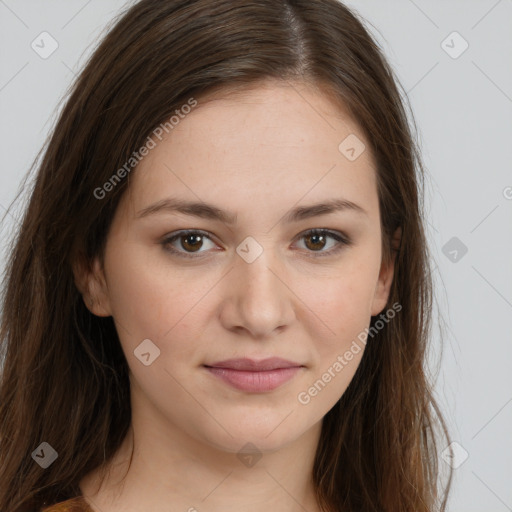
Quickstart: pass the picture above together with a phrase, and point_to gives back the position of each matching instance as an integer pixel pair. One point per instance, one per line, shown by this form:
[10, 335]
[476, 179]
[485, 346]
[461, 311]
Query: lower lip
[255, 382]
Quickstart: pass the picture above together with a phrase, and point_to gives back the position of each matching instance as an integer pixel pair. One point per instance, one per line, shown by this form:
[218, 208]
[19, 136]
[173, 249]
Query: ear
[386, 274]
[91, 283]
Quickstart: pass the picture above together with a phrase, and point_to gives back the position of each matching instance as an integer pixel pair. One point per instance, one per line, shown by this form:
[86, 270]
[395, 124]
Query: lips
[246, 364]
[255, 376]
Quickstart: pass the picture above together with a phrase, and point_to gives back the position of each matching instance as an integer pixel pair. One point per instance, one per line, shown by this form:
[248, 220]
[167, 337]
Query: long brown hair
[65, 378]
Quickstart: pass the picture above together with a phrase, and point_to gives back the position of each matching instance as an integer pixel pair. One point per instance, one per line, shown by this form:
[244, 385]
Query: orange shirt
[77, 504]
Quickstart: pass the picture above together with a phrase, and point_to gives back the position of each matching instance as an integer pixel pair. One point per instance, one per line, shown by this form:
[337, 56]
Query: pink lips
[255, 376]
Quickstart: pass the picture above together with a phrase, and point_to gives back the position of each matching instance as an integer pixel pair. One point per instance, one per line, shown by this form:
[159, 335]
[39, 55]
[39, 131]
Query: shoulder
[77, 504]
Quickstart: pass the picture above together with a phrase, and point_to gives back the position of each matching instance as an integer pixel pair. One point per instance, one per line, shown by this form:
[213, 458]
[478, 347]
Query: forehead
[278, 141]
[276, 113]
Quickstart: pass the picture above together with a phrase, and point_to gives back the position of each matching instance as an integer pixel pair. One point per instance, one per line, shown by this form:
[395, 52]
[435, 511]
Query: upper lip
[271, 363]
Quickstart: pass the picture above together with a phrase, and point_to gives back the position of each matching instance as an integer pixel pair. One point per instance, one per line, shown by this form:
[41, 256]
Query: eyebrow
[211, 212]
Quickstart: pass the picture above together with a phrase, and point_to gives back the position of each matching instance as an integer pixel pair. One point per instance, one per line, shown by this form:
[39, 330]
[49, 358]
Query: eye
[190, 242]
[317, 240]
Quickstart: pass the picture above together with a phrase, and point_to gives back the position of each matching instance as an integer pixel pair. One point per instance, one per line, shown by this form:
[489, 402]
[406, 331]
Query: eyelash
[342, 240]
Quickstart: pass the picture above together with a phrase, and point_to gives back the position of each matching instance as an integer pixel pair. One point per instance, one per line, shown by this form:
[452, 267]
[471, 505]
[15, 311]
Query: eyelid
[342, 239]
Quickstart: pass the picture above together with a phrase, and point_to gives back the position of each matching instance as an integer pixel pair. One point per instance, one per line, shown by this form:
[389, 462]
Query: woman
[220, 294]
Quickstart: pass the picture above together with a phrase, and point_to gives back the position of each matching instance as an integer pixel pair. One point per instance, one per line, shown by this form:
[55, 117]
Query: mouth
[255, 376]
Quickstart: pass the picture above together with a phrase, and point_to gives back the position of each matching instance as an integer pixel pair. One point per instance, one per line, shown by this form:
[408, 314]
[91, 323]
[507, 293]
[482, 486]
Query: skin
[256, 154]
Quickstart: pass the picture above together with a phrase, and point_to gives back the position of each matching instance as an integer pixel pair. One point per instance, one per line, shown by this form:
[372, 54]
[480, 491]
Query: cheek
[341, 304]
[151, 300]
[344, 306]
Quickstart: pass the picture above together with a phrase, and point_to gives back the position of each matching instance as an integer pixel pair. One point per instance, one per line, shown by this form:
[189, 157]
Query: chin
[265, 439]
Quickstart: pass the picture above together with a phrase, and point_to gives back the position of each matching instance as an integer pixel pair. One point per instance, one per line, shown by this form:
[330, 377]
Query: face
[258, 273]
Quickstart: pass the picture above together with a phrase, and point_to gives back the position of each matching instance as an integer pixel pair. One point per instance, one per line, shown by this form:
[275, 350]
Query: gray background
[463, 108]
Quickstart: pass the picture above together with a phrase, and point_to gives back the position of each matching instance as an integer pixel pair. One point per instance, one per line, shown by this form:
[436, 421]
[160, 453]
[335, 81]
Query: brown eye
[191, 242]
[187, 243]
[317, 243]
[316, 240]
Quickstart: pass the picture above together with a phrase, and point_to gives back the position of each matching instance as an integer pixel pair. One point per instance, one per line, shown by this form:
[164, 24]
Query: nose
[257, 299]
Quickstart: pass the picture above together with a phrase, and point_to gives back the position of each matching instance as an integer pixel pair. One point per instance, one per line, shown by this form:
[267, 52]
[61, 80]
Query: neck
[172, 468]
